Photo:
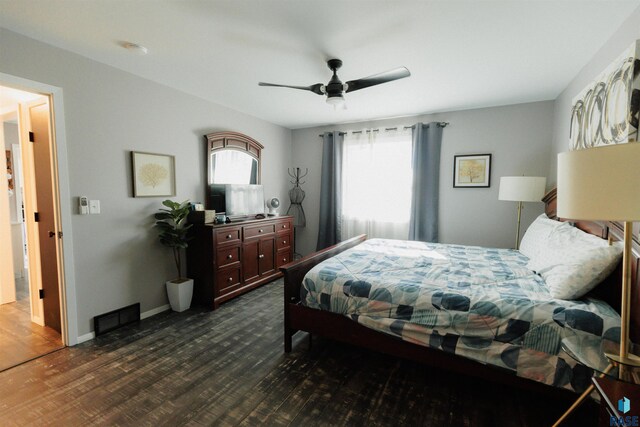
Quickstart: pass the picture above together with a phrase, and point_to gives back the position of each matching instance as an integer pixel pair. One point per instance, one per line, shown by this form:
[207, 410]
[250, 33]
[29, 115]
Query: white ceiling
[462, 54]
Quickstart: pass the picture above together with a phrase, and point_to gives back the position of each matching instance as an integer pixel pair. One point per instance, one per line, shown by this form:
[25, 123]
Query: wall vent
[116, 319]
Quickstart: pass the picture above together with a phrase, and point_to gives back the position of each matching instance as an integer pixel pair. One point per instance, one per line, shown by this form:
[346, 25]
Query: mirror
[232, 167]
[232, 158]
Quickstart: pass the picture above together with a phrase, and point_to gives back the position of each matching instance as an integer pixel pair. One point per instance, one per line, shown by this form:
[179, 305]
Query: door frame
[63, 201]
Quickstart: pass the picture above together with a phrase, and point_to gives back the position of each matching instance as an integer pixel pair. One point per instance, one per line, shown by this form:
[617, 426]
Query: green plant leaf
[172, 227]
[162, 215]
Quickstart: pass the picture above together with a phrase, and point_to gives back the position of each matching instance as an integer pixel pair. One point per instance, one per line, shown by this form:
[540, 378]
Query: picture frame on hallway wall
[472, 171]
[154, 175]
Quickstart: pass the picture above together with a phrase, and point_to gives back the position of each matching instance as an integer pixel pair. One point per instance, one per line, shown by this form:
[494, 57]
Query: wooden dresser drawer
[226, 256]
[259, 230]
[282, 226]
[228, 235]
[283, 240]
[283, 257]
[227, 278]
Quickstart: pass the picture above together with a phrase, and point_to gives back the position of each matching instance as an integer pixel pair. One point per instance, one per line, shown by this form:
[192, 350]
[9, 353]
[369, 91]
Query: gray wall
[518, 137]
[118, 260]
[626, 34]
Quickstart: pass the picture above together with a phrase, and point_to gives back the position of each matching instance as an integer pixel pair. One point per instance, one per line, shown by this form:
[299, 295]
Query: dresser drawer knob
[284, 260]
[260, 231]
[230, 256]
[229, 236]
[284, 226]
[230, 279]
[284, 242]
[261, 256]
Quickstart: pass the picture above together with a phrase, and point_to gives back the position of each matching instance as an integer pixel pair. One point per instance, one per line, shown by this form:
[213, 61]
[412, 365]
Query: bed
[497, 323]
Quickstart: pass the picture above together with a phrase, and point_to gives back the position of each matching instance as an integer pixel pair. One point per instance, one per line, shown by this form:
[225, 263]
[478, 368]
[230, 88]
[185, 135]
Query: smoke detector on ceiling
[135, 47]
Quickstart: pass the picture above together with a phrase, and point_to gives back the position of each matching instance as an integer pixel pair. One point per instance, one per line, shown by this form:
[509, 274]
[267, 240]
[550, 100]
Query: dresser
[226, 260]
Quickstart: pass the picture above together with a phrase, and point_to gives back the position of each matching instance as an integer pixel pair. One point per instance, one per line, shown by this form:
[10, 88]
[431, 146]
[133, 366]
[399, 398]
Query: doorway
[31, 321]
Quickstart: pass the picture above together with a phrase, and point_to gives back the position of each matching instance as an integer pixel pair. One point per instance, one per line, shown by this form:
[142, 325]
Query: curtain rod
[441, 124]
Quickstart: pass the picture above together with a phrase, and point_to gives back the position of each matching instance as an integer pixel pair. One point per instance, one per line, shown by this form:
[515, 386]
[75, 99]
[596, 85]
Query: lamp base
[518, 227]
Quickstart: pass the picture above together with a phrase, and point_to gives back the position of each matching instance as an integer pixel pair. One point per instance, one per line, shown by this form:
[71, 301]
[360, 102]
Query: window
[376, 184]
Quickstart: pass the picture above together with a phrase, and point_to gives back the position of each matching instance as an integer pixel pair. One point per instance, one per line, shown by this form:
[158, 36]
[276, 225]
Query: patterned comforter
[480, 303]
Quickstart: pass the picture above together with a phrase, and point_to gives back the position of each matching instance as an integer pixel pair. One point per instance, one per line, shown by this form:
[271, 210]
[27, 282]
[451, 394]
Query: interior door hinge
[59, 234]
[36, 216]
[32, 137]
[41, 293]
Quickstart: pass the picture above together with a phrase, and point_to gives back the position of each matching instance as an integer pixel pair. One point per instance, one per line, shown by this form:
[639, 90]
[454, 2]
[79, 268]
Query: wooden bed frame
[340, 328]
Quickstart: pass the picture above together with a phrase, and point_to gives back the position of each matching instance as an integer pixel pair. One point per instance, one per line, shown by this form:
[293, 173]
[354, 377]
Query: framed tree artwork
[154, 175]
[472, 171]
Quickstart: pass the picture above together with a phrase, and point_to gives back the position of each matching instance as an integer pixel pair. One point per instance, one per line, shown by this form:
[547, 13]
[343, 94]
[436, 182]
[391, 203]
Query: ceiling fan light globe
[335, 100]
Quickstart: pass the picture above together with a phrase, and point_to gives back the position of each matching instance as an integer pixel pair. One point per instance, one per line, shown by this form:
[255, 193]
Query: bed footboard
[295, 271]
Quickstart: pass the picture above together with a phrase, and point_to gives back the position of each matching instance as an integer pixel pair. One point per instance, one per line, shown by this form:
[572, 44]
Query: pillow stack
[570, 261]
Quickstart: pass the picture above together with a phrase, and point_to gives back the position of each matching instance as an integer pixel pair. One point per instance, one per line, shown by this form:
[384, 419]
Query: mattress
[478, 303]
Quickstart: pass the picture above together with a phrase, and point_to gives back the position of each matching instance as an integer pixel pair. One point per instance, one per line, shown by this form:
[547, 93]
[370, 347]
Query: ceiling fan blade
[376, 79]
[313, 88]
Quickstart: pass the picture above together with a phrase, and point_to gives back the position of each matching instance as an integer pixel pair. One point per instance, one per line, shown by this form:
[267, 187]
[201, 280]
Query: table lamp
[603, 184]
[521, 189]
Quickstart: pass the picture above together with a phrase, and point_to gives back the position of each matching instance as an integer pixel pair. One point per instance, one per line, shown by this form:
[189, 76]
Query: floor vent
[116, 319]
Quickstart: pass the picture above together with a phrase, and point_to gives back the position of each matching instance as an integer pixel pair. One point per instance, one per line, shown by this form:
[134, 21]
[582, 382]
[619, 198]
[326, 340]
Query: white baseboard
[155, 311]
[146, 314]
[86, 337]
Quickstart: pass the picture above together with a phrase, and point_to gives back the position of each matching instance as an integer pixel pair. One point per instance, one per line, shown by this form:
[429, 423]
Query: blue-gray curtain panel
[330, 190]
[253, 179]
[423, 223]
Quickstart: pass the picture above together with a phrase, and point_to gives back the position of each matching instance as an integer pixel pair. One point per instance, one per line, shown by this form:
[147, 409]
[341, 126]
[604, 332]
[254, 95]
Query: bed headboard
[609, 290]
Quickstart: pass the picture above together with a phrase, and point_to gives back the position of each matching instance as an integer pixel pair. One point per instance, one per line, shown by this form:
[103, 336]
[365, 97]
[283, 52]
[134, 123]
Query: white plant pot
[180, 292]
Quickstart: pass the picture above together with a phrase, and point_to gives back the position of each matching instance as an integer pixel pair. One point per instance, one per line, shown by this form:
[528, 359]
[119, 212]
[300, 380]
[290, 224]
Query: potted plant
[173, 226]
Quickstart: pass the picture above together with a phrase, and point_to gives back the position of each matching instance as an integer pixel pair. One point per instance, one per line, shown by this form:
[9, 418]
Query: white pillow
[574, 262]
[534, 241]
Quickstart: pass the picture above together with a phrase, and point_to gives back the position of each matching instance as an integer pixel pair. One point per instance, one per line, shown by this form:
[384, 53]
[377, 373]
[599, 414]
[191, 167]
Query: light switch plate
[94, 207]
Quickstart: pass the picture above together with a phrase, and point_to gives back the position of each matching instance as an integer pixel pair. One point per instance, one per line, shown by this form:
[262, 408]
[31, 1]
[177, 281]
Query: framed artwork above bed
[607, 111]
[472, 170]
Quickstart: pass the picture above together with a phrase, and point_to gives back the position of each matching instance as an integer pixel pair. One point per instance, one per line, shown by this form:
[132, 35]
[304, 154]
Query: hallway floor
[20, 339]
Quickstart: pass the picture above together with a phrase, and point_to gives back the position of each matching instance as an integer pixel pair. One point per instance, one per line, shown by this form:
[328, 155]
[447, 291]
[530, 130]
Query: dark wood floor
[21, 339]
[228, 368]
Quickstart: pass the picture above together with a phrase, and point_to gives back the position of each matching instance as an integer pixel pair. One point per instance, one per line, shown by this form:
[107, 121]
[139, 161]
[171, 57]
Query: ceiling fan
[335, 89]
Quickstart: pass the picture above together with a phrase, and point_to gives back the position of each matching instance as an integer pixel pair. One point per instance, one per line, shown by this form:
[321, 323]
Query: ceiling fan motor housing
[335, 87]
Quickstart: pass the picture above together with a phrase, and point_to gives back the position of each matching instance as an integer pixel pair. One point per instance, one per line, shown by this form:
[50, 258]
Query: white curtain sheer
[376, 184]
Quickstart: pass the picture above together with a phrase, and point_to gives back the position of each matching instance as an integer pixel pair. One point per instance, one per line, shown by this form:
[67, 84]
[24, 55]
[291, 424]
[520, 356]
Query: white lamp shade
[522, 188]
[600, 183]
